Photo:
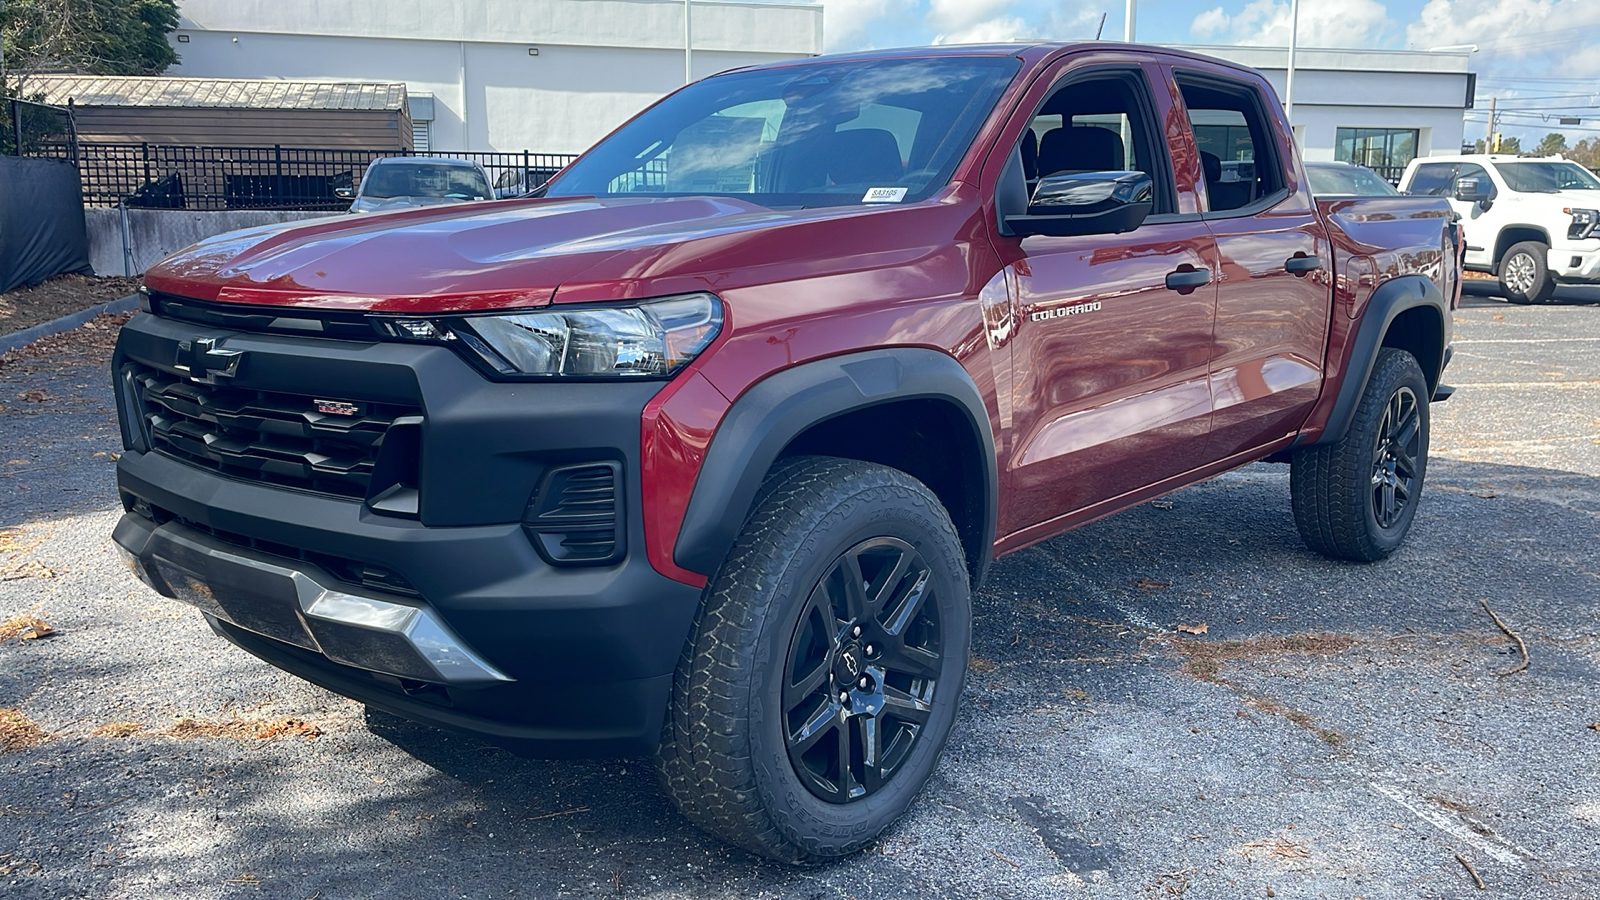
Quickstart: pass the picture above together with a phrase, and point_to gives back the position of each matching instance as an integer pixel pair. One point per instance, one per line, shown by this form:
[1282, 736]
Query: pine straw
[18, 732]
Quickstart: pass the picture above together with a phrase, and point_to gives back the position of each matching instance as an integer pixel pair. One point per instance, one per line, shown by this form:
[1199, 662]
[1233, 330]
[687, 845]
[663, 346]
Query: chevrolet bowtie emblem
[204, 362]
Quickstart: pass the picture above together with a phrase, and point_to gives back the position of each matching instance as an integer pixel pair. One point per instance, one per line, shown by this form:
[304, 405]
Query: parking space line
[1490, 845]
[1567, 340]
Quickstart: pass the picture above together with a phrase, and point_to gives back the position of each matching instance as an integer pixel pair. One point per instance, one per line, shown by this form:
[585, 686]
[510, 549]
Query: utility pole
[1488, 139]
[1294, 36]
[1129, 20]
[688, 42]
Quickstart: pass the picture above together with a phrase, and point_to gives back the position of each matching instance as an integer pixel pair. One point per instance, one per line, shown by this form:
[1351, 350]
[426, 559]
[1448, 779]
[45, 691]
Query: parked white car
[1532, 222]
[401, 182]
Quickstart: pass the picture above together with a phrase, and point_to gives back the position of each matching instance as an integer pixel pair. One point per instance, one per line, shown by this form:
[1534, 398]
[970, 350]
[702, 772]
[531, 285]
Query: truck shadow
[1486, 292]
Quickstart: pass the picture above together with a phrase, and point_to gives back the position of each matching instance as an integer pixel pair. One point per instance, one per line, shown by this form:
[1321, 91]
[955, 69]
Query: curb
[68, 322]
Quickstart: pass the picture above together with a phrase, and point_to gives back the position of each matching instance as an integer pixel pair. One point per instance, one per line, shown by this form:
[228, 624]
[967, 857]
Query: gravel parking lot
[1332, 730]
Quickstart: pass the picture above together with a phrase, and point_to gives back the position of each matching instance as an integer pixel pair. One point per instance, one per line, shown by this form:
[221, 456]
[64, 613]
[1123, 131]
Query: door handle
[1301, 266]
[1184, 281]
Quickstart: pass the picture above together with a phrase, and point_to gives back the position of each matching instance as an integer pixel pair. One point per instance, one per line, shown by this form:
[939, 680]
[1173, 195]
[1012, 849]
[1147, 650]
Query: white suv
[1533, 222]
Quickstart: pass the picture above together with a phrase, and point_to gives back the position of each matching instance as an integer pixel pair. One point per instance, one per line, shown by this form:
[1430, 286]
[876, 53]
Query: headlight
[649, 340]
[1583, 222]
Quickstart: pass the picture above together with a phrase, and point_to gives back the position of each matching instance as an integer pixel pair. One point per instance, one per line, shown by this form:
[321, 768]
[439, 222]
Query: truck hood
[471, 256]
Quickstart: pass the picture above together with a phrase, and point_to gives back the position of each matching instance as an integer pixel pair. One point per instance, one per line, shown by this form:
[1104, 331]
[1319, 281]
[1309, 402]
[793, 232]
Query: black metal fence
[27, 126]
[173, 176]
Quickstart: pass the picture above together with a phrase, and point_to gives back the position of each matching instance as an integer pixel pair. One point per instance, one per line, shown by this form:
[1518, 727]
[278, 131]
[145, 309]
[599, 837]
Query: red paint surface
[1089, 412]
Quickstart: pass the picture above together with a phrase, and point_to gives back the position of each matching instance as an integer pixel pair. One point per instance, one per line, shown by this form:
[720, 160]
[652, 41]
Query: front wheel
[1355, 498]
[821, 680]
[1525, 273]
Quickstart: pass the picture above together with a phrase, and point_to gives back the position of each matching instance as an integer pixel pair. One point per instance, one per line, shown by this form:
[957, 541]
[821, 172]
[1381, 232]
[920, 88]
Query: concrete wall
[598, 62]
[158, 233]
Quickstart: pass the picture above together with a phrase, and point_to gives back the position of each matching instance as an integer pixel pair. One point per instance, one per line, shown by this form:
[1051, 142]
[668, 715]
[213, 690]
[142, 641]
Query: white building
[1378, 108]
[551, 76]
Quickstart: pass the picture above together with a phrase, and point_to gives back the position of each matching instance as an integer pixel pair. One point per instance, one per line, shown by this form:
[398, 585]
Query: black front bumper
[549, 659]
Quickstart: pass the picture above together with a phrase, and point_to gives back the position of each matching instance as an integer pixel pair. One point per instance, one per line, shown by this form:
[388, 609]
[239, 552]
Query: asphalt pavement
[1177, 701]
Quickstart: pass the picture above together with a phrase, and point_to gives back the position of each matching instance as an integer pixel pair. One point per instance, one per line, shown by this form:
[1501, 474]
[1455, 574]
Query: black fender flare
[1386, 304]
[767, 417]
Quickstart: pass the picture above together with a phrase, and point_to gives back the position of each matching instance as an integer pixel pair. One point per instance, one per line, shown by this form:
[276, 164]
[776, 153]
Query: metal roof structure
[167, 92]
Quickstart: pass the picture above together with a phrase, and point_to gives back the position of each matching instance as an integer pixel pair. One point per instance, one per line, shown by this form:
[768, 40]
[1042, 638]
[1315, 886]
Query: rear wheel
[1525, 273]
[821, 681]
[1355, 499]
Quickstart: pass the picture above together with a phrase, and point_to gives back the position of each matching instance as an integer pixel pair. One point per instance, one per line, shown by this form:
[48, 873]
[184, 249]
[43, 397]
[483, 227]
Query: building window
[421, 136]
[1383, 150]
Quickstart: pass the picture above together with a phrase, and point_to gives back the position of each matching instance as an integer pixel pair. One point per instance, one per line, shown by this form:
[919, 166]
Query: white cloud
[1210, 23]
[1543, 34]
[992, 31]
[954, 15]
[1326, 23]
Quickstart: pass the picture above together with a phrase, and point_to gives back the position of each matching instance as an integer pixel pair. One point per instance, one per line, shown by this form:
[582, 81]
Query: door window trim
[1268, 146]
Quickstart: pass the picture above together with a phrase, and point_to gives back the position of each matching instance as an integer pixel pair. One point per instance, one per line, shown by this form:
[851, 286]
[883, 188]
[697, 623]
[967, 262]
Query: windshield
[826, 134]
[1547, 177]
[386, 180]
[1347, 180]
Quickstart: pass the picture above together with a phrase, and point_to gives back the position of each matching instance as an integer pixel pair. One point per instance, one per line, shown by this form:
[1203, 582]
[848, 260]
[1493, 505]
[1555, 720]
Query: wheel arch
[1407, 313]
[876, 406]
[1516, 234]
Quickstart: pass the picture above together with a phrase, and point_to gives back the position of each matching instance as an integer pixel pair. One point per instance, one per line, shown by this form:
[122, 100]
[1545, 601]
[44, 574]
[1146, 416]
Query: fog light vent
[575, 518]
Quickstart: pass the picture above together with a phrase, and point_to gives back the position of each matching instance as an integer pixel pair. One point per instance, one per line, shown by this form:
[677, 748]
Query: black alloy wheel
[862, 668]
[1394, 460]
[1355, 497]
[820, 680]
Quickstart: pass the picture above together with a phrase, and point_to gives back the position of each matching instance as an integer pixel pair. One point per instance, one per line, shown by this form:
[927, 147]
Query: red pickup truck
[703, 452]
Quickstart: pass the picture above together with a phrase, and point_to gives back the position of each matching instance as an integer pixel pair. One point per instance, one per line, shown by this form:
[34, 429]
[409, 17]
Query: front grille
[272, 437]
[576, 516]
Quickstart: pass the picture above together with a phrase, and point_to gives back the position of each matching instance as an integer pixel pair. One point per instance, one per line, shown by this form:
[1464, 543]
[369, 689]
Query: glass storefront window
[1383, 150]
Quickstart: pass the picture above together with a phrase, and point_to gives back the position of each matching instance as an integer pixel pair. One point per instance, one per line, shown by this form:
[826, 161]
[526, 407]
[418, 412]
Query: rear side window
[1433, 179]
[1237, 150]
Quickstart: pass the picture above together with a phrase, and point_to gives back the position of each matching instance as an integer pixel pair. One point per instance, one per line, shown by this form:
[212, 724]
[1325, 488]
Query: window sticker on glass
[884, 195]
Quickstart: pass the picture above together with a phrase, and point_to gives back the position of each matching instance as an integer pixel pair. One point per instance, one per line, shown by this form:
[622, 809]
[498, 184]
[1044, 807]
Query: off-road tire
[724, 757]
[1336, 490]
[1525, 273]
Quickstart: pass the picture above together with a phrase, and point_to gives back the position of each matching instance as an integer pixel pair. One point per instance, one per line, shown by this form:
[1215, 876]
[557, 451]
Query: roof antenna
[1101, 28]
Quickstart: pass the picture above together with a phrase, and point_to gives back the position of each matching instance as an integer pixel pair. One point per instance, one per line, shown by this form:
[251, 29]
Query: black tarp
[42, 233]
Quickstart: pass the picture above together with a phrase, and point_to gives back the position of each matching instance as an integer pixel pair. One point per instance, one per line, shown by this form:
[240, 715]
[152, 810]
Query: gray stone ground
[1339, 730]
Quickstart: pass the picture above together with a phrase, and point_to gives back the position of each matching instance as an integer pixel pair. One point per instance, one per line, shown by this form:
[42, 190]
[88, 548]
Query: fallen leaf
[16, 462]
[1146, 583]
[1594, 726]
[35, 396]
[980, 666]
[1202, 628]
[1161, 504]
[25, 628]
[288, 727]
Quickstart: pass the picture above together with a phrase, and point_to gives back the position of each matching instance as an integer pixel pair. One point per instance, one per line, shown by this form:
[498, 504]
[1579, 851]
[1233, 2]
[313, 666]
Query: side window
[1434, 179]
[1237, 150]
[1098, 123]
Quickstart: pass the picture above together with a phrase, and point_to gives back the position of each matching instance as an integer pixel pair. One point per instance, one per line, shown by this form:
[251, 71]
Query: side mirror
[1470, 190]
[344, 193]
[1086, 203]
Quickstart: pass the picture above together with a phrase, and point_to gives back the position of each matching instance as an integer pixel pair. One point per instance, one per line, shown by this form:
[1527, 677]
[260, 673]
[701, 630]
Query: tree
[1586, 153]
[1551, 144]
[1509, 145]
[97, 37]
[1479, 146]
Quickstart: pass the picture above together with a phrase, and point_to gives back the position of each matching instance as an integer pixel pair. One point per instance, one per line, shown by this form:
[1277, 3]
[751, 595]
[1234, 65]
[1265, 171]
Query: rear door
[1109, 364]
[1274, 296]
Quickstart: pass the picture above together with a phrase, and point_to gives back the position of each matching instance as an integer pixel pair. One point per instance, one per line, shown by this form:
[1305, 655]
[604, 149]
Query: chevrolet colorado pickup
[703, 452]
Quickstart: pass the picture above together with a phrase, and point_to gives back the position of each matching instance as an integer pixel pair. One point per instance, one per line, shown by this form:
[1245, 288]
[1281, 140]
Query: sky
[1540, 58]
